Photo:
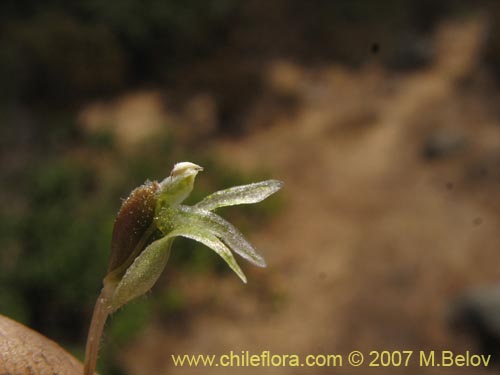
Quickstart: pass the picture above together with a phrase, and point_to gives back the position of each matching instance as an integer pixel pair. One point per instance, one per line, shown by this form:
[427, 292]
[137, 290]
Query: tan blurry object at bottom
[24, 351]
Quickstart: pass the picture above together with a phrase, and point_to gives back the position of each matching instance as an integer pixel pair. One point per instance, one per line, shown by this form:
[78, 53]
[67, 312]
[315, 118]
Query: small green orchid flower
[147, 224]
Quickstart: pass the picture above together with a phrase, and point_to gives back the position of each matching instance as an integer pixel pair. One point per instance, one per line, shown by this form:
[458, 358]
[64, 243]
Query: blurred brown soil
[391, 211]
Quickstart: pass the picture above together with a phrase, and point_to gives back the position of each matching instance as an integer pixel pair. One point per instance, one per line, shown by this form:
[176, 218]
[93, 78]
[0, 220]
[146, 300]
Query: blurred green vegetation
[56, 53]
[59, 50]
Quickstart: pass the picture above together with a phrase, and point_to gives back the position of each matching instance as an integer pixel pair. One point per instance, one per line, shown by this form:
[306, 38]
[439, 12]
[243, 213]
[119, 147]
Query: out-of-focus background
[382, 118]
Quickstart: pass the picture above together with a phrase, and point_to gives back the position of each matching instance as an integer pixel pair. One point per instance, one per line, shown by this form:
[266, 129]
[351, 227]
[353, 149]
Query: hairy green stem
[101, 312]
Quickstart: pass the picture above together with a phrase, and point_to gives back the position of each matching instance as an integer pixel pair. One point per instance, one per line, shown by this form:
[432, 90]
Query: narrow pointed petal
[186, 216]
[245, 194]
[209, 240]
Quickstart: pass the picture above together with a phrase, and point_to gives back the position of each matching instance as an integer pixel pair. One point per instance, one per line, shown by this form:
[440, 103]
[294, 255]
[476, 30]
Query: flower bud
[133, 228]
[177, 187]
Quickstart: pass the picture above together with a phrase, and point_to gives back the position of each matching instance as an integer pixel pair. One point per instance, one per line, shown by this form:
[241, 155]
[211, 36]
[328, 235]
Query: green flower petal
[245, 194]
[148, 266]
[186, 216]
[143, 272]
[209, 240]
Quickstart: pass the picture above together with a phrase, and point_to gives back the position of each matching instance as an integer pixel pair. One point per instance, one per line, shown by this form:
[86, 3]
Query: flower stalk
[99, 317]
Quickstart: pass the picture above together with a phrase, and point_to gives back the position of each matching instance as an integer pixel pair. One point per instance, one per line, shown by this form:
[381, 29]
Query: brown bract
[133, 220]
[26, 352]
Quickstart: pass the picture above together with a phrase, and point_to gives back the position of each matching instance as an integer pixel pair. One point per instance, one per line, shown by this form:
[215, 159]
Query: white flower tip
[243, 278]
[278, 184]
[185, 167]
[261, 262]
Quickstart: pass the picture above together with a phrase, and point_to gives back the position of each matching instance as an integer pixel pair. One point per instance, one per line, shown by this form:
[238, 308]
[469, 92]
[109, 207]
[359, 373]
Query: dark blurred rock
[442, 143]
[412, 51]
[477, 315]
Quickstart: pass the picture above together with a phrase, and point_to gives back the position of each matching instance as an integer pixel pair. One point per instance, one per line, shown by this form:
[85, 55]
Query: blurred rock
[200, 115]
[442, 143]
[477, 314]
[412, 51]
[460, 45]
[24, 352]
[286, 78]
[131, 119]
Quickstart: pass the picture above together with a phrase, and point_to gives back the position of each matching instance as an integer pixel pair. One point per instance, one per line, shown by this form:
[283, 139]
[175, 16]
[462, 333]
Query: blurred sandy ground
[391, 212]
